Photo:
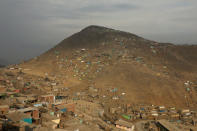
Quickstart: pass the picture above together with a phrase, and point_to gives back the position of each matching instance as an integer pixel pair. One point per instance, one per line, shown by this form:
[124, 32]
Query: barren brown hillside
[147, 71]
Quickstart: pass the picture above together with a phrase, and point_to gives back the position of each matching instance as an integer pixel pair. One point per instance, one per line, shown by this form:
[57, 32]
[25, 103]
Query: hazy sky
[30, 27]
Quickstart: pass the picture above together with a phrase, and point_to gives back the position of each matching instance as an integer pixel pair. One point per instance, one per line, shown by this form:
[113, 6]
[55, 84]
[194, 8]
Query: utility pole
[187, 100]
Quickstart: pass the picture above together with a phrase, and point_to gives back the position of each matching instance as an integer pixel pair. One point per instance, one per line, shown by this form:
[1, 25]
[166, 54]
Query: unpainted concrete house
[124, 125]
[47, 98]
[4, 109]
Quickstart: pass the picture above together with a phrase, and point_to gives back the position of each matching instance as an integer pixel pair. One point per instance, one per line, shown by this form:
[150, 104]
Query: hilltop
[145, 71]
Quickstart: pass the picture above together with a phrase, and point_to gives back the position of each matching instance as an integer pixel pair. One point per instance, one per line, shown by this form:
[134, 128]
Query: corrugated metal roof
[27, 109]
[169, 125]
[124, 123]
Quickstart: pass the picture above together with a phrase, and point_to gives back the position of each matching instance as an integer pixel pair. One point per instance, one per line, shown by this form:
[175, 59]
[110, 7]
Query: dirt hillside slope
[147, 71]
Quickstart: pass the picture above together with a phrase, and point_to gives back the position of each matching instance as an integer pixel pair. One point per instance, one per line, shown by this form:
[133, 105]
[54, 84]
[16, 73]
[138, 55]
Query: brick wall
[35, 114]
